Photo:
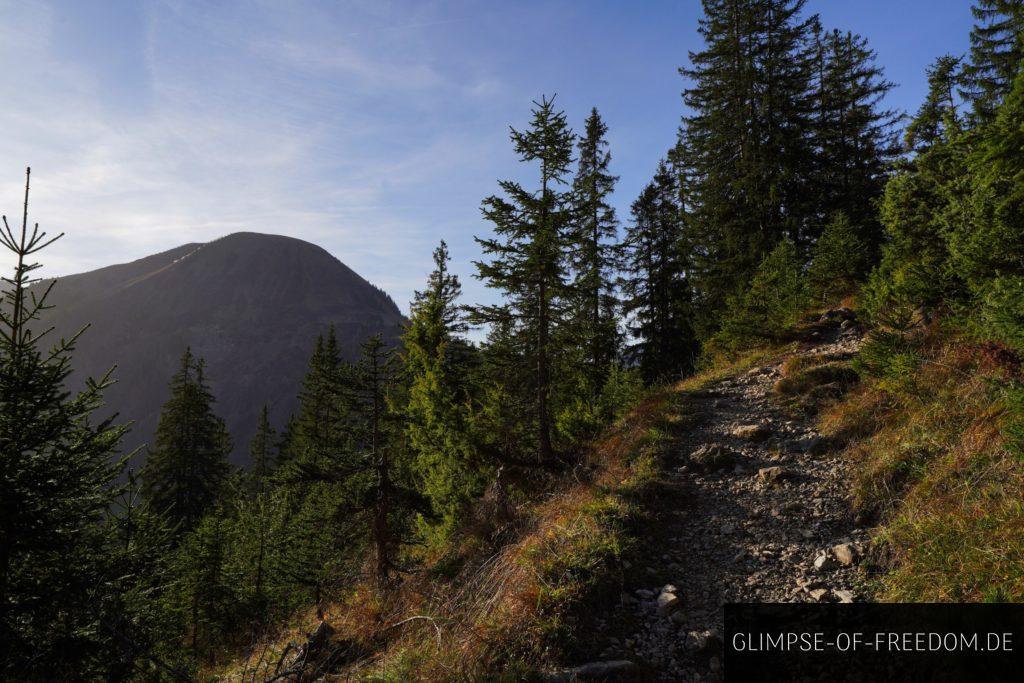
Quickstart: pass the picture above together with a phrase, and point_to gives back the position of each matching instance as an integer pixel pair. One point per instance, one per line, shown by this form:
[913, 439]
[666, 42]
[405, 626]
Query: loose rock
[752, 432]
[845, 554]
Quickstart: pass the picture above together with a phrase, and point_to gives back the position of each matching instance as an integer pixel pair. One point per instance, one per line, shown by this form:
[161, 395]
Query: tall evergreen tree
[188, 465]
[592, 240]
[439, 364]
[656, 288]
[261, 456]
[938, 117]
[855, 139]
[996, 53]
[318, 430]
[372, 471]
[57, 465]
[527, 256]
[744, 149]
[923, 202]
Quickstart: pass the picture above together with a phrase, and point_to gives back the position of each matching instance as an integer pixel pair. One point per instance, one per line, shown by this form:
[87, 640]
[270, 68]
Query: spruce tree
[372, 472]
[991, 244]
[58, 462]
[592, 245]
[938, 117]
[855, 138]
[527, 256]
[745, 151]
[996, 52]
[769, 306]
[924, 201]
[656, 287]
[318, 430]
[261, 456]
[187, 466]
[438, 363]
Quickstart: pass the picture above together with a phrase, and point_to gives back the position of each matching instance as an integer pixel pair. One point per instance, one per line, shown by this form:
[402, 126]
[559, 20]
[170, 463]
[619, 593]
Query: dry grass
[932, 468]
[505, 607]
[502, 615]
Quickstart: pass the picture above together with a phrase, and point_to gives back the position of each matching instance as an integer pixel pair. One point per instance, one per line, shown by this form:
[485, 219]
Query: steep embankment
[719, 489]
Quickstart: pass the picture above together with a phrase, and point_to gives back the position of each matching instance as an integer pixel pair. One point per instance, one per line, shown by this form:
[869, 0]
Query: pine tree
[188, 465]
[57, 467]
[855, 139]
[769, 306]
[372, 471]
[937, 118]
[202, 595]
[991, 244]
[527, 258]
[839, 261]
[656, 287]
[143, 633]
[261, 455]
[745, 149]
[439, 364]
[996, 52]
[923, 203]
[592, 244]
[318, 430]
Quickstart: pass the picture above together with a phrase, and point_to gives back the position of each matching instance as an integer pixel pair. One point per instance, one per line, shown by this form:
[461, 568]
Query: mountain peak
[250, 303]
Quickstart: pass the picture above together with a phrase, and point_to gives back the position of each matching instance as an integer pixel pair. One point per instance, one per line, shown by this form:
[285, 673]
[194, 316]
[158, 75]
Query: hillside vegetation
[445, 509]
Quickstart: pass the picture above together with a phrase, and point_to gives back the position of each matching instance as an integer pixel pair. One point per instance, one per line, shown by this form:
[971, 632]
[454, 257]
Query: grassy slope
[506, 612]
[930, 467]
[925, 437]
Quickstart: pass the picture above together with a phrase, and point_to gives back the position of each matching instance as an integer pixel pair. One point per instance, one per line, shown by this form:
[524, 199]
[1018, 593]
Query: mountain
[250, 304]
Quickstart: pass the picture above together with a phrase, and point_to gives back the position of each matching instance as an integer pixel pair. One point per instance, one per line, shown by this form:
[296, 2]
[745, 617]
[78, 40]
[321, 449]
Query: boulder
[711, 457]
[668, 603]
[845, 554]
[752, 432]
[823, 562]
[771, 476]
[843, 596]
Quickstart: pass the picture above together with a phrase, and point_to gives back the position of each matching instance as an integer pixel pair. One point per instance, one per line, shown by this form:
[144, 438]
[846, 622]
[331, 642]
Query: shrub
[770, 305]
[891, 359]
[839, 260]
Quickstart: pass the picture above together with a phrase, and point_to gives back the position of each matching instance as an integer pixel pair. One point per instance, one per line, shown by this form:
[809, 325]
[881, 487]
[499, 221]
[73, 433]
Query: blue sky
[372, 128]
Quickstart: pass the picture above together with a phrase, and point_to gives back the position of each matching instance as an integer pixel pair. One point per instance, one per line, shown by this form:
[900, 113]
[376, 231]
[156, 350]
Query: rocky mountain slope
[250, 304]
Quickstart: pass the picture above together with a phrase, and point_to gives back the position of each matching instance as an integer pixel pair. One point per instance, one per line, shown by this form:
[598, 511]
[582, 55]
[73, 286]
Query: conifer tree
[855, 138]
[261, 455]
[203, 593]
[923, 202]
[592, 244]
[656, 288]
[372, 471]
[745, 149]
[839, 260]
[318, 430]
[769, 306]
[996, 53]
[439, 364]
[938, 117]
[991, 244]
[527, 256]
[57, 466]
[188, 464]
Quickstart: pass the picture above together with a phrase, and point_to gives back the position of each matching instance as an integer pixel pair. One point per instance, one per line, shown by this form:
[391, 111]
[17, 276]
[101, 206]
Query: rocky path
[754, 509]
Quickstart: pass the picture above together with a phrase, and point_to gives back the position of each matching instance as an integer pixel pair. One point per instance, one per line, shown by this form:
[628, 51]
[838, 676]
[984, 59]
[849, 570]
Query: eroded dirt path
[729, 529]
